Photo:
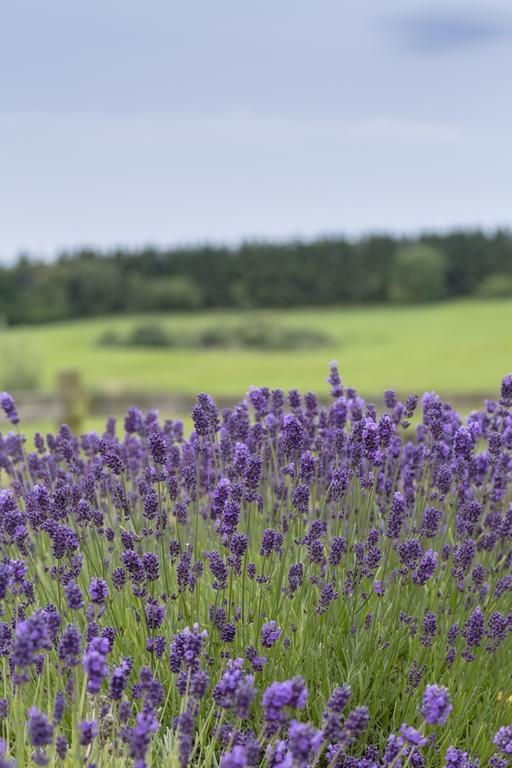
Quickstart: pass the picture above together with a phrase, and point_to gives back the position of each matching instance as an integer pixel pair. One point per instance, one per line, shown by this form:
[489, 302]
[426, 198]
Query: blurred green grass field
[462, 347]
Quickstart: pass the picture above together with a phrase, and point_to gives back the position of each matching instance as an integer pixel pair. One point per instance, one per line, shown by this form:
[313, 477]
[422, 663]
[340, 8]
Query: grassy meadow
[461, 347]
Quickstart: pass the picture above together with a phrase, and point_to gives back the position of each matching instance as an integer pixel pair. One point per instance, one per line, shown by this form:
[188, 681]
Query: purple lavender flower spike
[503, 738]
[436, 705]
[9, 407]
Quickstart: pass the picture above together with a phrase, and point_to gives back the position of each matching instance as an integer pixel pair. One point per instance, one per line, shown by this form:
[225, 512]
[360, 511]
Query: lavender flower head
[436, 705]
[98, 591]
[412, 736]
[40, 731]
[334, 379]
[455, 758]
[506, 390]
[278, 696]
[9, 407]
[503, 739]
[235, 690]
[235, 758]
[95, 664]
[88, 731]
[269, 634]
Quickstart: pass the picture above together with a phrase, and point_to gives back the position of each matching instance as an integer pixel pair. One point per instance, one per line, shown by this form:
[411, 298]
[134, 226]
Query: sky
[128, 123]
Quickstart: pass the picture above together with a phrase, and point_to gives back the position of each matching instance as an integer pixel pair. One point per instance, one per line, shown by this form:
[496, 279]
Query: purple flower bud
[436, 705]
[506, 390]
[412, 736]
[9, 407]
[40, 731]
[269, 634]
[503, 739]
[95, 664]
[88, 732]
[98, 591]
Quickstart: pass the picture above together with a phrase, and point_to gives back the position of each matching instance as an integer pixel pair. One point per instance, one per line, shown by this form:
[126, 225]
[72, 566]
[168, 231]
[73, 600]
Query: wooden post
[72, 399]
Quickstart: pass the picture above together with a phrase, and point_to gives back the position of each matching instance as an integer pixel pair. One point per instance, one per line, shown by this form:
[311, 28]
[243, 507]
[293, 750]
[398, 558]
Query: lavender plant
[291, 585]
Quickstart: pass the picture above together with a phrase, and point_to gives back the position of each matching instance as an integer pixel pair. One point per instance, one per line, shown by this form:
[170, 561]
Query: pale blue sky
[168, 122]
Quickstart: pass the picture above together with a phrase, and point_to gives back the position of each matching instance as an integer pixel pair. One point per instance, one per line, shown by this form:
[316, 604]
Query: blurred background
[206, 196]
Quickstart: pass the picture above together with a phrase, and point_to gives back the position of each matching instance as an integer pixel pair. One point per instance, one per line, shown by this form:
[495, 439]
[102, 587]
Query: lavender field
[287, 586]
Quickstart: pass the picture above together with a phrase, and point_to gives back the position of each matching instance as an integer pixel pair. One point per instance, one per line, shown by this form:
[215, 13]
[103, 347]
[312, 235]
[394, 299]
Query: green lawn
[454, 347]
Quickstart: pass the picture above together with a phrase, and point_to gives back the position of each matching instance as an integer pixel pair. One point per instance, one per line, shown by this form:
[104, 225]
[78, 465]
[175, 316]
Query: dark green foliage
[20, 365]
[319, 273]
[419, 274]
[247, 335]
[496, 286]
[149, 336]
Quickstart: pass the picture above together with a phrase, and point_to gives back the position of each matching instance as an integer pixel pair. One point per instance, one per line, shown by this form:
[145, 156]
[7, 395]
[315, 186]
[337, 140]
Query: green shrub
[165, 294]
[267, 336]
[152, 335]
[246, 335]
[20, 366]
[419, 274]
[496, 286]
[110, 339]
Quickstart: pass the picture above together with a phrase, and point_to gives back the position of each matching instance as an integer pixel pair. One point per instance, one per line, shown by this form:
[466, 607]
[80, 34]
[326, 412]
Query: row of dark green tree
[258, 274]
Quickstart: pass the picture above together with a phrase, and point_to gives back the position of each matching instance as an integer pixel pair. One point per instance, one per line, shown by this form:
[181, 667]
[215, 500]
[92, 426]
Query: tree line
[373, 269]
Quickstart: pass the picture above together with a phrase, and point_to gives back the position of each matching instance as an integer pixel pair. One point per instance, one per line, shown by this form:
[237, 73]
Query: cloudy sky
[127, 122]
